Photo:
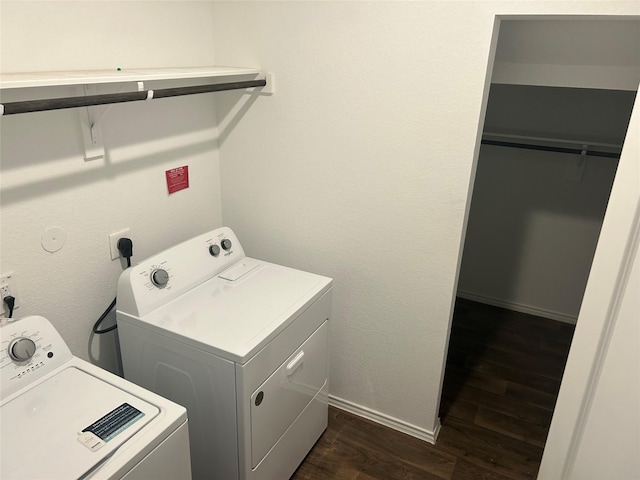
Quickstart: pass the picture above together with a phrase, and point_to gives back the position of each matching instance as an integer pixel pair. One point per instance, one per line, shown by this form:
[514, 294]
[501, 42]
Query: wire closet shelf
[28, 106]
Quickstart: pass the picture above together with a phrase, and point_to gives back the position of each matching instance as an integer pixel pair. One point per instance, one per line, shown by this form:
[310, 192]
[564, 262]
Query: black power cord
[10, 302]
[125, 246]
[96, 326]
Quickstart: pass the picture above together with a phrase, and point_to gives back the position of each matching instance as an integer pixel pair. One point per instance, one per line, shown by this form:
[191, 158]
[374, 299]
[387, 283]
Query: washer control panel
[167, 275]
[30, 348]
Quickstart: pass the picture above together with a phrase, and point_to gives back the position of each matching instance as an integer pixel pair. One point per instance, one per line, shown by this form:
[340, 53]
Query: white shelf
[88, 77]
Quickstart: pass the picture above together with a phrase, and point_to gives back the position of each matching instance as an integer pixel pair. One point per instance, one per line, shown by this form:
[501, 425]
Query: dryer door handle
[295, 363]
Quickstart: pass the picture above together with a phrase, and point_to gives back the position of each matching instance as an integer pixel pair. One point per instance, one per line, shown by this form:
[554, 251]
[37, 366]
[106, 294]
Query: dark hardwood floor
[502, 378]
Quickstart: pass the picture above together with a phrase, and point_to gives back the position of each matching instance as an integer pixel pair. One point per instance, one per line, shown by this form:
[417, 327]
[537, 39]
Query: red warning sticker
[177, 179]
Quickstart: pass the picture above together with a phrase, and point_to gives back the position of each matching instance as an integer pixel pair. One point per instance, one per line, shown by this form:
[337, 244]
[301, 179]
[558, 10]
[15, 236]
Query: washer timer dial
[22, 349]
[159, 277]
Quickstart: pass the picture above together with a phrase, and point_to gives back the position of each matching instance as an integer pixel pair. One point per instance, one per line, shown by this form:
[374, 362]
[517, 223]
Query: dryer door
[283, 396]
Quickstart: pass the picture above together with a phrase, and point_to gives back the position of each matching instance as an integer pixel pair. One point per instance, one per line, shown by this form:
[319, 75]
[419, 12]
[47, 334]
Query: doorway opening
[557, 113]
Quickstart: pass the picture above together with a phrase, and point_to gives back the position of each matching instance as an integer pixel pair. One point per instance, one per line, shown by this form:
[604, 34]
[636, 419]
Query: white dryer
[242, 343]
[63, 418]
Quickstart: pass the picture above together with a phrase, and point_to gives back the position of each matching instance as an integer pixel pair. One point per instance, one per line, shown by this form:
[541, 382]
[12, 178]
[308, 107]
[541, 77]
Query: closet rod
[28, 106]
[547, 148]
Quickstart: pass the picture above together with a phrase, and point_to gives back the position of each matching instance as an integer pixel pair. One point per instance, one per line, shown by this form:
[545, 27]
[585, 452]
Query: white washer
[241, 343]
[63, 418]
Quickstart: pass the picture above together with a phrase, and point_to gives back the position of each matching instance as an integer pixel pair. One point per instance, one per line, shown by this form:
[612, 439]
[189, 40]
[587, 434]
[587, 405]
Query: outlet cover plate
[113, 242]
[9, 280]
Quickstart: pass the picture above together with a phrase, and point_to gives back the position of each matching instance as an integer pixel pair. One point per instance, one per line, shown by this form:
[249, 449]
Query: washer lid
[67, 425]
[236, 313]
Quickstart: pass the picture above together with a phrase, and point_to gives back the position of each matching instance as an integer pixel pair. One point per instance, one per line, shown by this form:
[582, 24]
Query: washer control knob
[226, 244]
[22, 349]
[214, 250]
[159, 277]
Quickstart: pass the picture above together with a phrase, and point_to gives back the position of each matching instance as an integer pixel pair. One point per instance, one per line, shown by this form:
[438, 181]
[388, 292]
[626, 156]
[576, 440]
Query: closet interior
[558, 108]
[544, 175]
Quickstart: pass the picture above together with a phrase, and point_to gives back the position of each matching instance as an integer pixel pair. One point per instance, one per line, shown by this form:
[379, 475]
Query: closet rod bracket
[270, 87]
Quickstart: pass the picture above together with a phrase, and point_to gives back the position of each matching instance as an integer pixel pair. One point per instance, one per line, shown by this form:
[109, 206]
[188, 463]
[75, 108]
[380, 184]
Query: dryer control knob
[214, 250]
[159, 277]
[22, 349]
[226, 244]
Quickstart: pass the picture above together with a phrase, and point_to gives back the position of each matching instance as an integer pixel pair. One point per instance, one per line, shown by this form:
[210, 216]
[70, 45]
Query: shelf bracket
[91, 130]
[91, 124]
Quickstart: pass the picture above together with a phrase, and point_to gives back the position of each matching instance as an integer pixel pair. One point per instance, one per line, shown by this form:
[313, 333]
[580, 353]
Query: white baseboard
[519, 307]
[386, 420]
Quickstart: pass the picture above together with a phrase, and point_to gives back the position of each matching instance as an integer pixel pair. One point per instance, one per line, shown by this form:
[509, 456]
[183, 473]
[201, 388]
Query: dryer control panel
[161, 278]
[31, 348]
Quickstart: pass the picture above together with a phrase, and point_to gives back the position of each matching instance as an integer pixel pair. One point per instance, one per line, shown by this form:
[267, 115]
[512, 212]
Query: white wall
[46, 182]
[359, 168]
[349, 171]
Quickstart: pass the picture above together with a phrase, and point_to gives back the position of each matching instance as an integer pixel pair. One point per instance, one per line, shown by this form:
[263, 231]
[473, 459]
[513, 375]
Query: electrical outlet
[113, 242]
[8, 287]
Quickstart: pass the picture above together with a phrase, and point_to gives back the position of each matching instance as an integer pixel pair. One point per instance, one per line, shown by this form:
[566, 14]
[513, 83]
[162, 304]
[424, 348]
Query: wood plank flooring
[502, 378]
